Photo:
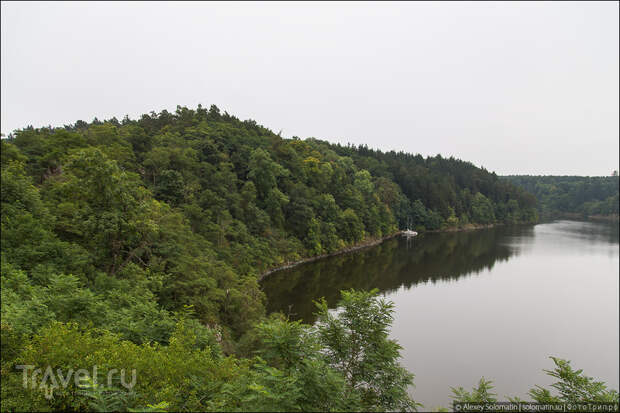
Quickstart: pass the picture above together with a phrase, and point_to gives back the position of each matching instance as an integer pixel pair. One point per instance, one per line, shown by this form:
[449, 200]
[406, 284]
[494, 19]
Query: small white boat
[409, 233]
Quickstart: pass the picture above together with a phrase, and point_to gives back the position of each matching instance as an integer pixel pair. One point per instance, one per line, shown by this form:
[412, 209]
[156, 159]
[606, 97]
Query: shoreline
[581, 217]
[468, 227]
[604, 218]
[364, 244]
[370, 243]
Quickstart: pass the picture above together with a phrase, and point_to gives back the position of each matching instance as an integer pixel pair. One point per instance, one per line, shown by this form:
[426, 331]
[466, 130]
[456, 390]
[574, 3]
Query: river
[493, 302]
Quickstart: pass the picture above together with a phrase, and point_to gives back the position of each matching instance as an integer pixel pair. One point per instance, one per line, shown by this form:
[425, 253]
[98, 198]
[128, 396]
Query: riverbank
[364, 244]
[371, 243]
[605, 218]
[468, 227]
[579, 217]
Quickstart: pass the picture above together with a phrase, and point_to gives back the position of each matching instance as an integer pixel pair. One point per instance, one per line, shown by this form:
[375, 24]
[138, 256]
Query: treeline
[443, 192]
[582, 195]
[131, 227]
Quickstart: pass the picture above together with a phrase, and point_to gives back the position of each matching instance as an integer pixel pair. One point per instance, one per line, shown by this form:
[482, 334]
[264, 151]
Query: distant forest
[560, 195]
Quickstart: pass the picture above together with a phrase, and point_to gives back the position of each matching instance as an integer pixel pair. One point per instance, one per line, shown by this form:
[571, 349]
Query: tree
[573, 387]
[274, 205]
[170, 187]
[263, 171]
[104, 208]
[452, 220]
[482, 209]
[28, 236]
[357, 345]
[351, 227]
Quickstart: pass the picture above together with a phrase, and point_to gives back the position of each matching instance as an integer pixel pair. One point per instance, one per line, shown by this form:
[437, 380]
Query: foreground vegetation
[572, 195]
[572, 387]
[344, 362]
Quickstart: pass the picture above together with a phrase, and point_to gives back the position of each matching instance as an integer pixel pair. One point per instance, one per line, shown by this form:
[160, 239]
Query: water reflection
[593, 232]
[395, 263]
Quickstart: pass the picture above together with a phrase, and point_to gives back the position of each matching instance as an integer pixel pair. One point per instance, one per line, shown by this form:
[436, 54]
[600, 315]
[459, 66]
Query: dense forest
[585, 196]
[138, 244]
[442, 192]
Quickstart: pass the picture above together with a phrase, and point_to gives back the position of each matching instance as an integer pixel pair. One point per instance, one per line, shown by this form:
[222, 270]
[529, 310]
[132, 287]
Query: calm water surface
[493, 303]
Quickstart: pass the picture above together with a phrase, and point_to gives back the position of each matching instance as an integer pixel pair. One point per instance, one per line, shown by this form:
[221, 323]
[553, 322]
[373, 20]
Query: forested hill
[587, 196]
[186, 208]
[451, 192]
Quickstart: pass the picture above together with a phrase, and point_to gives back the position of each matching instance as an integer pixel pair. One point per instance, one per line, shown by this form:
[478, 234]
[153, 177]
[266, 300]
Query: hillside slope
[173, 209]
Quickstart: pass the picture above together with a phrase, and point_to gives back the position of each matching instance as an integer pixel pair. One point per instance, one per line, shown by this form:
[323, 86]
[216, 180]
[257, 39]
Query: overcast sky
[514, 87]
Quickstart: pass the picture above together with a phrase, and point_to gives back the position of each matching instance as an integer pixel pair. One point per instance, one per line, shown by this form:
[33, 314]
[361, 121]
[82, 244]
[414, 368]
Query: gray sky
[514, 87]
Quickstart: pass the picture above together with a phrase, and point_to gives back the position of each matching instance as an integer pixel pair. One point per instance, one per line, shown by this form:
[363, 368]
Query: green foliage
[582, 195]
[573, 387]
[103, 398]
[263, 171]
[27, 227]
[357, 345]
[345, 362]
[482, 209]
[442, 186]
[181, 373]
[10, 152]
[480, 394]
[298, 367]
[170, 187]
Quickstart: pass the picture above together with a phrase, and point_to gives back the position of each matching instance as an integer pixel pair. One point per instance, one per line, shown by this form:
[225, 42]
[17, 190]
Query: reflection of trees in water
[430, 257]
[590, 231]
